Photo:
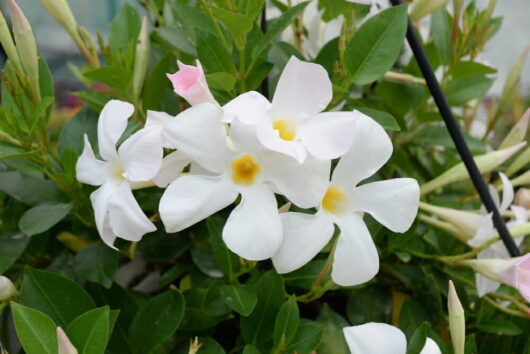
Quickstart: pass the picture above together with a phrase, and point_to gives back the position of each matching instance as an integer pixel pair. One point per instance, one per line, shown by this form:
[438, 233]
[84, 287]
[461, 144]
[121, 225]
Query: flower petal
[507, 193]
[328, 135]
[373, 337]
[190, 199]
[199, 133]
[521, 214]
[303, 90]
[271, 140]
[141, 155]
[249, 108]
[111, 125]
[394, 202]
[304, 235]
[430, 347]
[172, 166]
[253, 229]
[485, 285]
[126, 218]
[100, 199]
[303, 184]
[370, 150]
[159, 120]
[485, 231]
[88, 169]
[356, 260]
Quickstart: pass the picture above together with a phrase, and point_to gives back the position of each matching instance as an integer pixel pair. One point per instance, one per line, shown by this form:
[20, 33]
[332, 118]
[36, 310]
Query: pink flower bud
[517, 275]
[190, 83]
[64, 344]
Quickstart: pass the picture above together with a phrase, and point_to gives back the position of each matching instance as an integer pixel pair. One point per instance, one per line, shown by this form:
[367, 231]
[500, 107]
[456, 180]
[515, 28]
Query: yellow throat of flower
[245, 170]
[335, 200]
[285, 129]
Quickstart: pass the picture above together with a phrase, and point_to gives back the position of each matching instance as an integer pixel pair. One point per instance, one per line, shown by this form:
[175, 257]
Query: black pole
[456, 135]
[265, 82]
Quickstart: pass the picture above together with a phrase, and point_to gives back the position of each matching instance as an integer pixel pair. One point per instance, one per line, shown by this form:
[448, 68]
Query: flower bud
[64, 344]
[518, 132]
[466, 222]
[27, 48]
[7, 289]
[141, 59]
[190, 83]
[8, 44]
[421, 8]
[457, 321]
[61, 12]
[522, 198]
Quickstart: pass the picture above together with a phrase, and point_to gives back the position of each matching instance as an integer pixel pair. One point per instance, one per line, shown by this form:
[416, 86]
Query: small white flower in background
[293, 123]
[190, 83]
[486, 231]
[136, 162]
[394, 203]
[7, 289]
[381, 338]
[243, 167]
[64, 344]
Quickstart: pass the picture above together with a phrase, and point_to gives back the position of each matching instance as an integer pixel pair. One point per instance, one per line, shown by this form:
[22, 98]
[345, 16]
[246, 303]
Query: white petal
[375, 338]
[356, 260]
[111, 125]
[303, 90]
[100, 199]
[88, 169]
[141, 155]
[159, 120]
[126, 218]
[430, 347]
[271, 140]
[370, 150]
[507, 193]
[303, 184]
[485, 231]
[253, 229]
[249, 107]
[485, 285]
[191, 199]
[328, 135]
[521, 214]
[199, 133]
[304, 235]
[394, 202]
[172, 166]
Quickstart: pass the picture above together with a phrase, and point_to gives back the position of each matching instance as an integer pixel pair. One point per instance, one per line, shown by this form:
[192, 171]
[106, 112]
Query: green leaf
[96, 100]
[197, 316]
[46, 83]
[469, 68]
[237, 24]
[156, 321]
[304, 277]
[213, 54]
[221, 81]
[59, 297]
[500, 326]
[41, 218]
[240, 298]
[417, 342]
[11, 247]
[113, 76]
[36, 331]
[251, 349]
[210, 346]
[461, 91]
[124, 28]
[29, 189]
[276, 28]
[251, 8]
[442, 29]
[307, 337]
[204, 259]
[412, 315]
[286, 324]
[386, 120]
[97, 263]
[227, 260]
[376, 45]
[259, 326]
[333, 341]
[44, 104]
[371, 304]
[73, 132]
[89, 332]
[157, 84]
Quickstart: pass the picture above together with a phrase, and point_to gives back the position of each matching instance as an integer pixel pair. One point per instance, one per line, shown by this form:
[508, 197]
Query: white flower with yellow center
[394, 203]
[137, 161]
[293, 123]
[243, 167]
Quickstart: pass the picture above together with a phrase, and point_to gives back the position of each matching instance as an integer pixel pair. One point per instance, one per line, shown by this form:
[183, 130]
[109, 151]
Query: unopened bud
[64, 344]
[457, 321]
[466, 222]
[141, 59]
[522, 198]
[7, 289]
[61, 12]
[517, 133]
[190, 83]
[421, 8]
[7, 42]
[195, 345]
[26, 45]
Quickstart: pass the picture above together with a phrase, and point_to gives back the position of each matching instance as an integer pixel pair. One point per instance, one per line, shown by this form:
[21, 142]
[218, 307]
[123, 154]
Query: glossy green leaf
[286, 324]
[307, 337]
[124, 28]
[41, 218]
[372, 304]
[73, 132]
[386, 120]
[29, 189]
[113, 76]
[441, 29]
[227, 260]
[461, 91]
[221, 81]
[36, 331]
[237, 24]
[333, 341]
[376, 45]
[11, 247]
[97, 263]
[213, 54]
[500, 326]
[417, 342]
[240, 298]
[89, 332]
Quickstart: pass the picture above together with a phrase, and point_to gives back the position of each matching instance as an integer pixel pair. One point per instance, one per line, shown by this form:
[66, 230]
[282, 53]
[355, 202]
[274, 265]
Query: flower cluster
[251, 150]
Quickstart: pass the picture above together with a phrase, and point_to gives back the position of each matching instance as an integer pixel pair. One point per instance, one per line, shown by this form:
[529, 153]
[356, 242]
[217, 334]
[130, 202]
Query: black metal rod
[456, 135]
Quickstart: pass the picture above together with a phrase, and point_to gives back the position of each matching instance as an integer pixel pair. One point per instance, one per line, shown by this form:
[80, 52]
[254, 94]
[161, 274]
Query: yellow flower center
[245, 169]
[285, 129]
[335, 200]
[119, 173]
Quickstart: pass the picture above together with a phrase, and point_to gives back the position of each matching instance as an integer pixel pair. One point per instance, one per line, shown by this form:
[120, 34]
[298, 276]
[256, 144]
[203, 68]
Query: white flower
[394, 203]
[381, 338]
[292, 124]
[243, 167]
[137, 160]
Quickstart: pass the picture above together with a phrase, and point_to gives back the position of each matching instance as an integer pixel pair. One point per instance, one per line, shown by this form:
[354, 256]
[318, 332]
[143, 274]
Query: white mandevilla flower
[381, 338]
[486, 231]
[394, 203]
[136, 162]
[292, 124]
[242, 167]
